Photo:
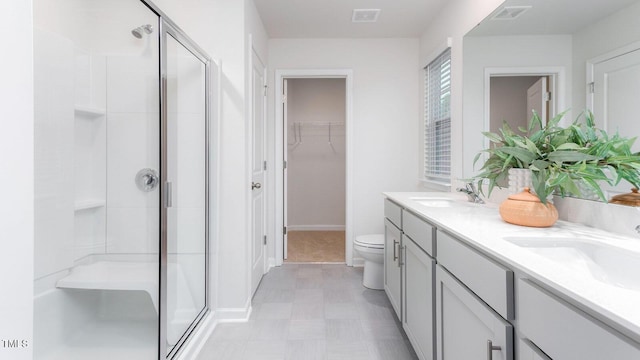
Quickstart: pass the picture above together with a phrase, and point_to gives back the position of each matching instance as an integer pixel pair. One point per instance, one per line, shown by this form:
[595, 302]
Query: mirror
[574, 44]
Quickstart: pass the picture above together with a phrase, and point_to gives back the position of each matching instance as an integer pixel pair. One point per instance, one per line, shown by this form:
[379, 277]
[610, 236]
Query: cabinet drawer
[564, 332]
[492, 282]
[393, 212]
[420, 231]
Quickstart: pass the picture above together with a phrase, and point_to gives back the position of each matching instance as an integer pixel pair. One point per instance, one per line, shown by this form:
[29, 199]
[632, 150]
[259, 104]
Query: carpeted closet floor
[315, 246]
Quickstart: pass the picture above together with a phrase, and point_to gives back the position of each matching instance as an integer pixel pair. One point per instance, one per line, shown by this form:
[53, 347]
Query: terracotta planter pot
[526, 209]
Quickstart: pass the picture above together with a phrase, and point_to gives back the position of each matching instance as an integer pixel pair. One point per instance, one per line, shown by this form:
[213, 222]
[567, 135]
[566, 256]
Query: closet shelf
[89, 204]
[89, 111]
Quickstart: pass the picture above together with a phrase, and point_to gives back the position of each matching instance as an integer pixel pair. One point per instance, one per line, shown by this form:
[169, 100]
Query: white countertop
[481, 227]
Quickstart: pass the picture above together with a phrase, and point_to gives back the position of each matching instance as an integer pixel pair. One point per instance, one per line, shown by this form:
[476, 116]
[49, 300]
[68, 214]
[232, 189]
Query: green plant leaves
[560, 158]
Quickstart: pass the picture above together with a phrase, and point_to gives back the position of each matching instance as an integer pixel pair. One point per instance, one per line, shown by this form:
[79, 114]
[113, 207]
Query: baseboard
[234, 314]
[271, 263]
[315, 228]
[194, 346]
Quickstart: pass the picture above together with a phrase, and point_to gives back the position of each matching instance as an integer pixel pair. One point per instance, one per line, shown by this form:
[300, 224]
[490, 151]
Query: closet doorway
[314, 178]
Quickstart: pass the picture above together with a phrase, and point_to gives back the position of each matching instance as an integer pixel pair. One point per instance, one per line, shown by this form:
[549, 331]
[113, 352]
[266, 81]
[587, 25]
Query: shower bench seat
[114, 275]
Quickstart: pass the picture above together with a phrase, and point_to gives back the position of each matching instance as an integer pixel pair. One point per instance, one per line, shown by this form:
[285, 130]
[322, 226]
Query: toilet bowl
[371, 248]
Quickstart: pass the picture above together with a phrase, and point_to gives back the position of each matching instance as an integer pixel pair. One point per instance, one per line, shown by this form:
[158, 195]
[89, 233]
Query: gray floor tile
[307, 330]
[338, 294]
[265, 350]
[264, 295]
[382, 330]
[272, 311]
[306, 311]
[344, 329]
[223, 350]
[310, 272]
[340, 310]
[347, 350]
[308, 296]
[372, 312]
[391, 350]
[312, 282]
[306, 350]
[313, 312]
[270, 330]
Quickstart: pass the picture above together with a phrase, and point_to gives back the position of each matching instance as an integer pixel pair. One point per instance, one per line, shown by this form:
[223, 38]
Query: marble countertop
[481, 227]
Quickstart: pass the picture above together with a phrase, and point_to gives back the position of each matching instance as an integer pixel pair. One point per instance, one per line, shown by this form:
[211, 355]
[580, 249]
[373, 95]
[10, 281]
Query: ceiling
[550, 17]
[332, 18]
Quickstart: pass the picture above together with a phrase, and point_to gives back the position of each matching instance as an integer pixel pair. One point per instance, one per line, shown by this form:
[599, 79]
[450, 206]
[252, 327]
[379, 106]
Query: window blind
[437, 122]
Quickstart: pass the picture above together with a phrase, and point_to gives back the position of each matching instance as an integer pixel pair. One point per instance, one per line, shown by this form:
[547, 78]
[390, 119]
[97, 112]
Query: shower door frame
[169, 28]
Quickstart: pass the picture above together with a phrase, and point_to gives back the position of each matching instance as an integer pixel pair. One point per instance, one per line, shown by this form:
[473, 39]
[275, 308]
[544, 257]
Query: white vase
[518, 180]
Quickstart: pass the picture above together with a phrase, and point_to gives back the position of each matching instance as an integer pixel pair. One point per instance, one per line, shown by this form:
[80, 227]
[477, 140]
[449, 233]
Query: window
[437, 121]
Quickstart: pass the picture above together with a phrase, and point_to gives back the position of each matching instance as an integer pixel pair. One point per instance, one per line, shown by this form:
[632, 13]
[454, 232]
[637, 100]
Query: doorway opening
[313, 181]
[315, 176]
[513, 98]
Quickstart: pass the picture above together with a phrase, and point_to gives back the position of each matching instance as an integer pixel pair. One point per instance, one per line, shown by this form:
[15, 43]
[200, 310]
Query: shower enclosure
[121, 162]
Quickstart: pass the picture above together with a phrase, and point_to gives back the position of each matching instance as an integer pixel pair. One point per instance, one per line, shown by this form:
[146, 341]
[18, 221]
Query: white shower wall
[316, 169]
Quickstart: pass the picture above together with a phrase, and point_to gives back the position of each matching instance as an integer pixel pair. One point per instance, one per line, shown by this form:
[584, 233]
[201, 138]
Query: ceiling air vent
[365, 15]
[510, 12]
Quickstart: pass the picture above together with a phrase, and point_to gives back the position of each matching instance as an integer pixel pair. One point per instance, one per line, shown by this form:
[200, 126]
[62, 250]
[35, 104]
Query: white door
[538, 99]
[284, 175]
[258, 169]
[616, 89]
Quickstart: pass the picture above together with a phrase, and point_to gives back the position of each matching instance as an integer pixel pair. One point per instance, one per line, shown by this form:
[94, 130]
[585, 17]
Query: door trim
[281, 74]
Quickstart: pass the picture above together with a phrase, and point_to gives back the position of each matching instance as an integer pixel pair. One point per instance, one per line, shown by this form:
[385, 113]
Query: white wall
[316, 170]
[504, 52]
[16, 163]
[385, 109]
[453, 21]
[613, 32]
[508, 101]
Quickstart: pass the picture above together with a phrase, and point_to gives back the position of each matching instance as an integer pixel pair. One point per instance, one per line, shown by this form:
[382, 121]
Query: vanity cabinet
[563, 332]
[418, 311]
[409, 274]
[392, 270]
[418, 291]
[456, 301]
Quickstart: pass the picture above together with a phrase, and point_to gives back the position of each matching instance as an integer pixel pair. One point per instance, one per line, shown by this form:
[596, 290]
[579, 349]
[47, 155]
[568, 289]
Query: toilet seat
[373, 241]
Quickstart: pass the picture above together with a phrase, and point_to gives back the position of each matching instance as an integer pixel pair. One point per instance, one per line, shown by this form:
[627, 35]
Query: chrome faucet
[638, 229]
[472, 193]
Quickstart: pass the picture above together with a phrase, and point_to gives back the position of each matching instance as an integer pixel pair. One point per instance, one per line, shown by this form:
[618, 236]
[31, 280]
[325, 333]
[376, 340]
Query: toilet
[371, 248]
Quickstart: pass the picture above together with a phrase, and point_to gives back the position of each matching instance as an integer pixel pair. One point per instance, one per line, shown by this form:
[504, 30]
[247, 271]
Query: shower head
[141, 30]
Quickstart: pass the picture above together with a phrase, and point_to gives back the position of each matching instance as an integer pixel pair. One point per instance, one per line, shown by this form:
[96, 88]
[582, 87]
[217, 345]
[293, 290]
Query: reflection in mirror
[513, 98]
[577, 42]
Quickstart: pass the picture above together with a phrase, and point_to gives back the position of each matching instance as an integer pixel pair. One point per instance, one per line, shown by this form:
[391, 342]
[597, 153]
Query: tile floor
[309, 311]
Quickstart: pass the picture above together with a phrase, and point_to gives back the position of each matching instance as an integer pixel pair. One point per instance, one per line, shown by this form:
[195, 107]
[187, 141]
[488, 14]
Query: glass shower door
[185, 156]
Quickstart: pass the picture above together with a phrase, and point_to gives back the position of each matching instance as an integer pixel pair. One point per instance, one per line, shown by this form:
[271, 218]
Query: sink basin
[435, 201]
[606, 263]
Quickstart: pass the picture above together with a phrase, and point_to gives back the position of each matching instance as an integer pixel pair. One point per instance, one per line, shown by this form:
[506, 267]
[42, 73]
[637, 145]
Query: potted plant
[560, 159]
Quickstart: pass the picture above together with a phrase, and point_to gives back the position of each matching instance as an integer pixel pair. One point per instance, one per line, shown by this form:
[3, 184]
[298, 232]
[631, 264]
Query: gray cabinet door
[466, 325]
[528, 351]
[418, 312]
[392, 276]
